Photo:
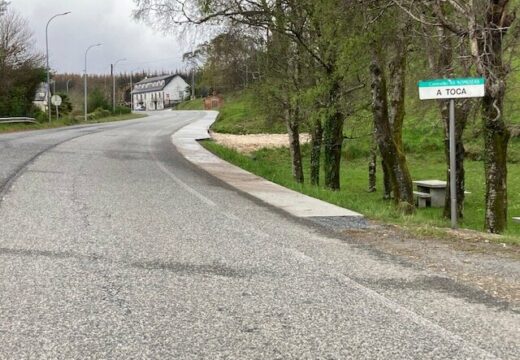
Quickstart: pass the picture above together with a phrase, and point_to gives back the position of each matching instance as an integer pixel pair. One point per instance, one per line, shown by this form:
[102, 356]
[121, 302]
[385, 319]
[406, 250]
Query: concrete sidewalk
[295, 203]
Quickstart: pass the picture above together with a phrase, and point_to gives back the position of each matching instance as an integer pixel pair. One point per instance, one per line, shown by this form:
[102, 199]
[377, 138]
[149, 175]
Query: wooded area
[312, 62]
[21, 69]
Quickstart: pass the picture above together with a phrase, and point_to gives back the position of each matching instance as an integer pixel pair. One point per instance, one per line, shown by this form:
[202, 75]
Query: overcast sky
[99, 21]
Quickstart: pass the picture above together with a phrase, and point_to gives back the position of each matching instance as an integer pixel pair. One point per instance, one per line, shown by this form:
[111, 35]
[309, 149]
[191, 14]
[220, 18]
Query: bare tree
[15, 40]
[20, 67]
[3, 6]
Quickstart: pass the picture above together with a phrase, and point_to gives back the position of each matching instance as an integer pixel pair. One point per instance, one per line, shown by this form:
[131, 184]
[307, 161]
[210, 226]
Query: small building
[159, 92]
[41, 97]
[212, 102]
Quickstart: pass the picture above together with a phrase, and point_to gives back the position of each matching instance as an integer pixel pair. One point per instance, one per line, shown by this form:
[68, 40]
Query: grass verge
[240, 114]
[274, 165]
[191, 105]
[5, 128]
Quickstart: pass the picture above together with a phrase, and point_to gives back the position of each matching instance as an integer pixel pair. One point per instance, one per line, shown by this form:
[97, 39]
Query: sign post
[56, 101]
[453, 166]
[452, 89]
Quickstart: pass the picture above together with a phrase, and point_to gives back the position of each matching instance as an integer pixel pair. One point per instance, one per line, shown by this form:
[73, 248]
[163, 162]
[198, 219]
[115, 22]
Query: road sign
[56, 100]
[451, 88]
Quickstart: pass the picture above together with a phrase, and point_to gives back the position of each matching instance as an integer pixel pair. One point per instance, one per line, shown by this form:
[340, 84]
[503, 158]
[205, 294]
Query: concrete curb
[295, 203]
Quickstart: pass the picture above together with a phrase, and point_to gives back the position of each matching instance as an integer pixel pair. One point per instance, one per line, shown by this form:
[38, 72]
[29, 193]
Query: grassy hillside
[240, 114]
[191, 105]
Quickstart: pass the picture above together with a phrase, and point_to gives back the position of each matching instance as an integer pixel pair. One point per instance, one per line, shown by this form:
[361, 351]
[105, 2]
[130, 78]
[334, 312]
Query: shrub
[122, 110]
[99, 113]
[96, 100]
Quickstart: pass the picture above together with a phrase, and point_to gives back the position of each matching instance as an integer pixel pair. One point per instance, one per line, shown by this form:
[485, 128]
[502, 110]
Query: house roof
[157, 83]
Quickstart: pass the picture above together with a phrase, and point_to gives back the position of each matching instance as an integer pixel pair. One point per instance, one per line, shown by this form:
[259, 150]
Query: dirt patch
[464, 256]
[251, 143]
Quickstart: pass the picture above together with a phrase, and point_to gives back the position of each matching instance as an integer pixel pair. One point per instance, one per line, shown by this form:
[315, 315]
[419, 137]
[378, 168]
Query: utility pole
[131, 92]
[112, 67]
[113, 88]
[47, 56]
[85, 80]
[193, 83]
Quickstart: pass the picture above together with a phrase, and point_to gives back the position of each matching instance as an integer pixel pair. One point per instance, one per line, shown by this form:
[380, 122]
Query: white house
[41, 97]
[159, 92]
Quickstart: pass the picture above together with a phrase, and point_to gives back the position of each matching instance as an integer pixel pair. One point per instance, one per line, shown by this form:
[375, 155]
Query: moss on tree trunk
[496, 138]
[293, 130]
[316, 141]
[394, 160]
[332, 141]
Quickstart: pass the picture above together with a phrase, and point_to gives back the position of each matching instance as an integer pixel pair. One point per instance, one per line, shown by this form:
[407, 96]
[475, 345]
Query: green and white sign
[451, 88]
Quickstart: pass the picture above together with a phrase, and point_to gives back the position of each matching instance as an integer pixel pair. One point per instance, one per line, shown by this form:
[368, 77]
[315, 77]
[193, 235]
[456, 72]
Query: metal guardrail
[17, 120]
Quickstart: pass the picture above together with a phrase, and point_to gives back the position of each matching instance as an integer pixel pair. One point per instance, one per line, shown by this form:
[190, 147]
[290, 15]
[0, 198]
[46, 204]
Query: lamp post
[85, 77]
[112, 68]
[191, 57]
[132, 88]
[131, 91]
[67, 85]
[47, 56]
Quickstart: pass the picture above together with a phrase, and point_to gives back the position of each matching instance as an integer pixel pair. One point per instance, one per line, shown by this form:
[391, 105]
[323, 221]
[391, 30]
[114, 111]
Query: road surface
[113, 246]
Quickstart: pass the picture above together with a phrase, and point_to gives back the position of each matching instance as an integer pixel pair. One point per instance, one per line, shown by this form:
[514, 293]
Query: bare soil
[466, 256]
[250, 143]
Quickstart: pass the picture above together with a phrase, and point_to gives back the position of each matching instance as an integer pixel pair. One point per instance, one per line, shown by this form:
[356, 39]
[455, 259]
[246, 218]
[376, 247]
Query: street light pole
[193, 83]
[85, 77]
[112, 69]
[131, 91]
[47, 56]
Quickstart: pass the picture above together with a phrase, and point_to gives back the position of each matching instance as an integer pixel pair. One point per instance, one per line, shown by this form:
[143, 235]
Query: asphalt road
[112, 246]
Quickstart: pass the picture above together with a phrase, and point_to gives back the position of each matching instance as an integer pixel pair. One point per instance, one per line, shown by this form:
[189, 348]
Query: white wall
[173, 90]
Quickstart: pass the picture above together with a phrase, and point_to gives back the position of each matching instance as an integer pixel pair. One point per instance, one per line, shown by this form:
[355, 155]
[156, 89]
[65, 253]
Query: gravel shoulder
[491, 269]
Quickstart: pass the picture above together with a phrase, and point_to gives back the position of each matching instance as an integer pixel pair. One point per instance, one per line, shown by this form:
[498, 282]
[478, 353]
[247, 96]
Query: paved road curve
[113, 246]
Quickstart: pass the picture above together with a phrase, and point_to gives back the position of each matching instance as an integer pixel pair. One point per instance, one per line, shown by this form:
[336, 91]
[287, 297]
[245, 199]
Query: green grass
[240, 114]
[191, 105]
[274, 165]
[4, 128]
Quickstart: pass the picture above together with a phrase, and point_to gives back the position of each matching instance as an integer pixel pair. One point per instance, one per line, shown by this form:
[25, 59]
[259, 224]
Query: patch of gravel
[491, 267]
[342, 223]
[250, 143]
